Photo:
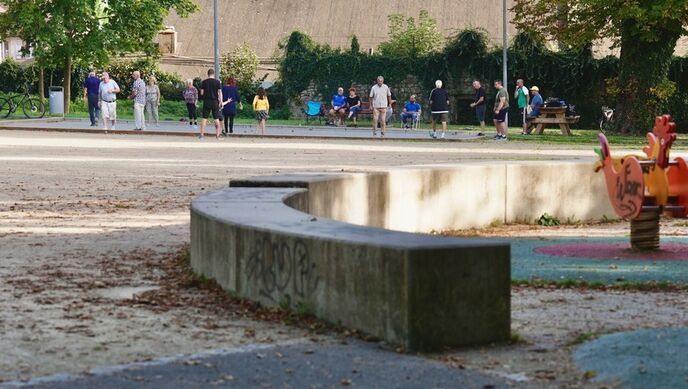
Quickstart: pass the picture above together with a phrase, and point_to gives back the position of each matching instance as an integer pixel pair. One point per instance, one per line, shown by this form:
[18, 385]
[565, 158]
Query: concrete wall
[420, 291]
[464, 196]
[263, 23]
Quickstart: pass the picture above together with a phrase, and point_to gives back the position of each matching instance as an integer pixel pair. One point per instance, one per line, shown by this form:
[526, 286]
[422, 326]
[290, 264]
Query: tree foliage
[408, 38]
[80, 32]
[646, 31]
[242, 64]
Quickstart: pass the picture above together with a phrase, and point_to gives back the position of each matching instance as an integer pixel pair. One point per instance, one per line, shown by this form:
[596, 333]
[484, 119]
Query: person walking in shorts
[380, 99]
[211, 92]
[501, 108]
[439, 106]
[107, 100]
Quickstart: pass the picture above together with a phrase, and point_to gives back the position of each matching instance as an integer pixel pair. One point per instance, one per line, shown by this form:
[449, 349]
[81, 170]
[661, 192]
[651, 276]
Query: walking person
[91, 86]
[480, 105]
[190, 95]
[231, 97]
[211, 92]
[138, 94]
[107, 100]
[380, 99]
[522, 96]
[501, 108]
[439, 106]
[261, 106]
[153, 101]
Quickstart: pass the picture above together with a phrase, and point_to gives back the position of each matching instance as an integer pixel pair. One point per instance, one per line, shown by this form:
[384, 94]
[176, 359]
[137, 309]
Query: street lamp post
[216, 38]
[505, 43]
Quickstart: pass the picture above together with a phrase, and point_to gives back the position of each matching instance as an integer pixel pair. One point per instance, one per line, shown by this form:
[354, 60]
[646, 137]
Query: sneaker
[433, 135]
[219, 137]
[200, 137]
[442, 136]
[497, 137]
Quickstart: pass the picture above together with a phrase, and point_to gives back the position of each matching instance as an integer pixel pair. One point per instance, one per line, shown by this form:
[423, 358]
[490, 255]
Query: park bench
[553, 115]
[366, 109]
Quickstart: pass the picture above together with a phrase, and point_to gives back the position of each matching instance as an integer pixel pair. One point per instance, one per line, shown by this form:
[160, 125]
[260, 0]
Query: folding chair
[313, 111]
[415, 121]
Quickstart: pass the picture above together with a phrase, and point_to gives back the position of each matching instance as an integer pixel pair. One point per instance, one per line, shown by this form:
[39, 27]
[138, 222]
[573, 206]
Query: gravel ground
[87, 220]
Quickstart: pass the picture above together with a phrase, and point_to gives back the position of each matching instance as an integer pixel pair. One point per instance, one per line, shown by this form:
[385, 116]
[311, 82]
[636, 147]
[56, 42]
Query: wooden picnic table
[553, 115]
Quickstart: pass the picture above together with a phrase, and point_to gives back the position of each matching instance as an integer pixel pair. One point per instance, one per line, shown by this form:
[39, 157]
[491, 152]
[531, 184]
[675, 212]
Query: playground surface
[89, 220]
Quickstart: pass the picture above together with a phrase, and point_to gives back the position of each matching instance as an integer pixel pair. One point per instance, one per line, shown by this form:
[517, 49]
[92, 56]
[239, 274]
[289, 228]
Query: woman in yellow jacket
[261, 106]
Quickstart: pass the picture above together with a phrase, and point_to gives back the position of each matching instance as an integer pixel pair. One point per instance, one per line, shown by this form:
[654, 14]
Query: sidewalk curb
[247, 136]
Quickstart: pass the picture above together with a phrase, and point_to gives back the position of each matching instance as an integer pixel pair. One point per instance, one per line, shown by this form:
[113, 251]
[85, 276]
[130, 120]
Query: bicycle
[607, 120]
[31, 106]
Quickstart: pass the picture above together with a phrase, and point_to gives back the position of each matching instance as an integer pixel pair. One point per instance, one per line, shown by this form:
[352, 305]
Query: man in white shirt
[107, 100]
[138, 94]
[380, 99]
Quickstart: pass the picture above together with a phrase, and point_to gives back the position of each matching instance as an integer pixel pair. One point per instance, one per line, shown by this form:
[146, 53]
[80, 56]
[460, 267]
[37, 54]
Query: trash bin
[56, 100]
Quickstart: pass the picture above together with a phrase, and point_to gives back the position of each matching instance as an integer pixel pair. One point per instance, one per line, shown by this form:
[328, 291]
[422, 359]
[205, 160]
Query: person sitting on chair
[338, 111]
[353, 103]
[411, 111]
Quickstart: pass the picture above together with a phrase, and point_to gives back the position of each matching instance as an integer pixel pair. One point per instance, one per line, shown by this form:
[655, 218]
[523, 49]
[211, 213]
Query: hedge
[573, 75]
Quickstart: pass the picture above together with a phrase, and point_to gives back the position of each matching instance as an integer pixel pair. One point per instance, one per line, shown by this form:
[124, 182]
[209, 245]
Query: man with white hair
[439, 106]
[380, 99]
[107, 100]
[138, 94]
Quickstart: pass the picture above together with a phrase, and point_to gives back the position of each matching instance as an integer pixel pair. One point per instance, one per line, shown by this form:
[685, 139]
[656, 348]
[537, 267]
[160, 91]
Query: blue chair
[314, 110]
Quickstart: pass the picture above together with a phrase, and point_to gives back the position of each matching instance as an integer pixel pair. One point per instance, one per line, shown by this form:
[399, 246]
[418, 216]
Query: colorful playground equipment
[642, 188]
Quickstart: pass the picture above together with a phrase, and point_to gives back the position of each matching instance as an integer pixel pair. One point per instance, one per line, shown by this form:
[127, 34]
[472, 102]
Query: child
[191, 98]
[261, 107]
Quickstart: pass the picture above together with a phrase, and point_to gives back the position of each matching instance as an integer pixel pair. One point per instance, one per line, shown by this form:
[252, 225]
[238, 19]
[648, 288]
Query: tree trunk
[643, 65]
[41, 85]
[67, 83]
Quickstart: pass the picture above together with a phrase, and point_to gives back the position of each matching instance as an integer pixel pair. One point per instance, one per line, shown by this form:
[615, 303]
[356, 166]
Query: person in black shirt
[353, 103]
[211, 93]
[479, 104]
[439, 105]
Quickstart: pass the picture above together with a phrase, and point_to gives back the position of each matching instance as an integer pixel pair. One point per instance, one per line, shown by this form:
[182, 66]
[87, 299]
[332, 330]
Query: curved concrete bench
[421, 291]
[274, 240]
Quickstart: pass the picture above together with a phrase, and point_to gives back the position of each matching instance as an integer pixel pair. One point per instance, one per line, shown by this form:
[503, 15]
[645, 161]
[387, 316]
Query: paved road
[177, 128]
[299, 365]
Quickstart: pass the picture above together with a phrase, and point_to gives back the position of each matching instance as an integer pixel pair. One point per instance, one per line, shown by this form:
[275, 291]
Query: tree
[410, 39]
[242, 64]
[355, 46]
[63, 33]
[646, 31]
